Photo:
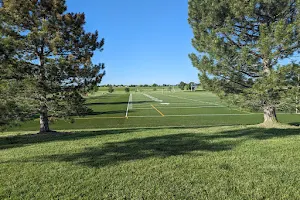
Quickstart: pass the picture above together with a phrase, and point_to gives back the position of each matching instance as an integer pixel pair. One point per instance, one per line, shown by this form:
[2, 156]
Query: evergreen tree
[127, 89]
[13, 106]
[291, 88]
[111, 89]
[181, 85]
[54, 53]
[241, 44]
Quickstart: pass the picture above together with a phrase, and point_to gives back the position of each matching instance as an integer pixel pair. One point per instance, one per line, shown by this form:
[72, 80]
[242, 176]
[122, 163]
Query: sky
[146, 42]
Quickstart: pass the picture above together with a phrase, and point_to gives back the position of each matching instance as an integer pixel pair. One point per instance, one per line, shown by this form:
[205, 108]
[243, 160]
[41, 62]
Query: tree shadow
[136, 149]
[97, 97]
[255, 133]
[116, 103]
[110, 112]
[294, 123]
[113, 153]
[15, 141]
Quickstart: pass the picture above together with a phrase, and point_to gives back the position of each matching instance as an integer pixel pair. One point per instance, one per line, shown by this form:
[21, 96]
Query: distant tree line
[133, 85]
[186, 86]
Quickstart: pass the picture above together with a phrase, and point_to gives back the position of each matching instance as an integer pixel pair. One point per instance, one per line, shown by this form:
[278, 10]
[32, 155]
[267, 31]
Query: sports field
[158, 109]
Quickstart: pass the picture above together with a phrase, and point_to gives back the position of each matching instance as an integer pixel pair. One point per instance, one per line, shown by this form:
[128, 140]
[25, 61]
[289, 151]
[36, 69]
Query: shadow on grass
[117, 103]
[8, 142]
[140, 148]
[29, 139]
[111, 112]
[255, 133]
[294, 123]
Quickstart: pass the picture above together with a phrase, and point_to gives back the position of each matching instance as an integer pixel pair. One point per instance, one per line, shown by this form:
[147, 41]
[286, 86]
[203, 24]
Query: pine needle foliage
[241, 45]
[54, 53]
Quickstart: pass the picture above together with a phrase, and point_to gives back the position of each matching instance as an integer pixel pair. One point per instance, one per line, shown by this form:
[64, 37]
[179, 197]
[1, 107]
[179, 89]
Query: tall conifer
[54, 53]
[241, 44]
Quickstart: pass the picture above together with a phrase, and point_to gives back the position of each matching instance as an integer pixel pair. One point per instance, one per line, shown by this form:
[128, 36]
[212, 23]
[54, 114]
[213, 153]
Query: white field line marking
[174, 103]
[130, 101]
[207, 103]
[129, 105]
[83, 118]
[156, 116]
[180, 107]
[193, 100]
[153, 98]
[195, 115]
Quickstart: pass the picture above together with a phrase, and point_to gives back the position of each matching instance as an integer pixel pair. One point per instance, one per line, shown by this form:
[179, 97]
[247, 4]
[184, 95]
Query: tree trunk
[44, 122]
[270, 115]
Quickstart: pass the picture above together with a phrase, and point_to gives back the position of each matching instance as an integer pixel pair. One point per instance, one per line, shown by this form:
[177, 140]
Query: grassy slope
[206, 163]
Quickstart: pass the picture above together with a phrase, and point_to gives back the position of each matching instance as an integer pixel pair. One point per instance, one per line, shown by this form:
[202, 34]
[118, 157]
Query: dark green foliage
[127, 89]
[110, 89]
[53, 53]
[182, 85]
[13, 107]
[95, 88]
[241, 44]
[190, 85]
[291, 88]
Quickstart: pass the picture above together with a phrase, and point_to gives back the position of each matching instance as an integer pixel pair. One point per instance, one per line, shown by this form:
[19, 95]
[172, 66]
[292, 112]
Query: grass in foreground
[174, 163]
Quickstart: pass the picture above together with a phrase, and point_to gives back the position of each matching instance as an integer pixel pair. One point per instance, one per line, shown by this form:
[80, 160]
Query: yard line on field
[129, 105]
[209, 103]
[152, 98]
[192, 100]
[167, 107]
[157, 110]
[143, 108]
[155, 116]
[100, 118]
[192, 115]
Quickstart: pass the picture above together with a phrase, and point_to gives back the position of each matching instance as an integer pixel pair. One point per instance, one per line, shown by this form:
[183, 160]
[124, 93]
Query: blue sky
[146, 42]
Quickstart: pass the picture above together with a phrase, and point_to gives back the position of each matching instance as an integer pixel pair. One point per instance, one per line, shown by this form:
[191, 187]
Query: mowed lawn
[158, 109]
[241, 162]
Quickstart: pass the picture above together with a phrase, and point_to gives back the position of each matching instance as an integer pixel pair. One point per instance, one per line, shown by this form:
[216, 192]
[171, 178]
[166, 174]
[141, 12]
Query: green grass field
[157, 109]
[242, 162]
[170, 146]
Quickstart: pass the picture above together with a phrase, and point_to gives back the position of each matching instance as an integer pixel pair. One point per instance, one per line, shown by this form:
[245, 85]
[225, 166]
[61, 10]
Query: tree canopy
[241, 46]
[53, 53]
[182, 85]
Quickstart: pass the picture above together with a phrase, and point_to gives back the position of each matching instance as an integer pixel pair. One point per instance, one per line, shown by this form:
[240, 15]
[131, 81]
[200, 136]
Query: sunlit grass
[181, 109]
[172, 163]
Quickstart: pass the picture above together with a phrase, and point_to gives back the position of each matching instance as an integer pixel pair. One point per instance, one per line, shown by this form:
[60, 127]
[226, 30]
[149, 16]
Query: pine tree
[110, 89]
[241, 44]
[291, 88]
[54, 53]
[127, 89]
[182, 85]
[13, 107]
